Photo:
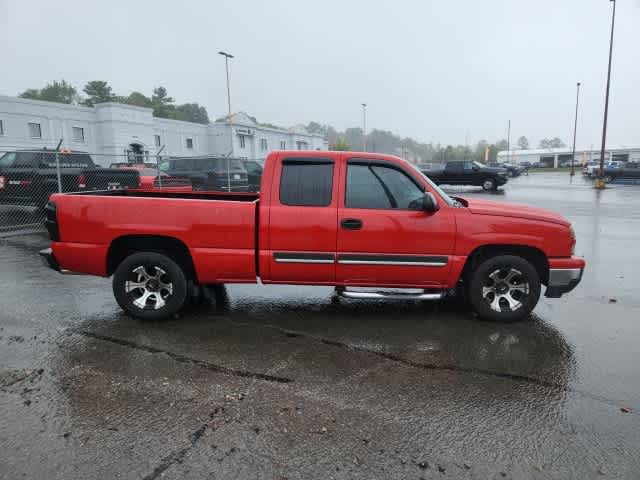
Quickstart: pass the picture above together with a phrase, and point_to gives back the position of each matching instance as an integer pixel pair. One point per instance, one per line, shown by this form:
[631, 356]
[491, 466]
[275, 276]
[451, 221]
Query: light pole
[508, 142]
[364, 127]
[600, 179]
[575, 128]
[227, 56]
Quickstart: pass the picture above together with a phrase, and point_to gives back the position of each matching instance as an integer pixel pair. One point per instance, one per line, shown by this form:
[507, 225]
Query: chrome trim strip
[302, 260]
[385, 262]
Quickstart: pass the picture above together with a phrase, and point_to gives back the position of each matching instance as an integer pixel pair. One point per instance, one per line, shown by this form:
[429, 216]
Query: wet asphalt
[285, 383]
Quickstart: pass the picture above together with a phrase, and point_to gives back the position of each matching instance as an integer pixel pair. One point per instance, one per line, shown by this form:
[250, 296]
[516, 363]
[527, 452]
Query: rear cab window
[306, 182]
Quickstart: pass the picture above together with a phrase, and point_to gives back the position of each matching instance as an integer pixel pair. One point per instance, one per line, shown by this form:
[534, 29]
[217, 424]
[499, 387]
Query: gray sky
[430, 70]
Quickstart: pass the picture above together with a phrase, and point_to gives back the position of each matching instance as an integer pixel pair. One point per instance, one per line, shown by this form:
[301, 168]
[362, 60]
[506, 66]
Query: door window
[306, 183]
[381, 187]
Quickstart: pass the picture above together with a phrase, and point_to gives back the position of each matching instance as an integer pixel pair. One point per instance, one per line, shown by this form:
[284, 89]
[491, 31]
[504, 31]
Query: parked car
[630, 171]
[467, 172]
[512, 170]
[209, 173]
[28, 177]
[346, 219]
[254, 174]
[151, 179]
[592, 169]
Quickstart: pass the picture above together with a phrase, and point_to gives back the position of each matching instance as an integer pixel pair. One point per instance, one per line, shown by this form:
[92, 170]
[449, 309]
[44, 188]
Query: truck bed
[219, 229]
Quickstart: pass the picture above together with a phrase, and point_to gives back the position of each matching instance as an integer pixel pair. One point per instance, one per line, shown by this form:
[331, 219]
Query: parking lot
[285, 382]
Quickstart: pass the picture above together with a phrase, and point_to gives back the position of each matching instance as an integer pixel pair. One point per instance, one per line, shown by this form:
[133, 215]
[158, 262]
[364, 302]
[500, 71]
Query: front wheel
[149, 286]
[505, 288]
[489, 184]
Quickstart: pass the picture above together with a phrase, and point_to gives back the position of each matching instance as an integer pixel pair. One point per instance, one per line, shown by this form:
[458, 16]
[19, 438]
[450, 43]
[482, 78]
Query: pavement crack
[177, 456]
[178, 357]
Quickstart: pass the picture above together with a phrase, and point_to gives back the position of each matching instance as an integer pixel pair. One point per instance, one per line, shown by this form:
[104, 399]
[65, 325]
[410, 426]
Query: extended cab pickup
[467, 172]
[362, 222]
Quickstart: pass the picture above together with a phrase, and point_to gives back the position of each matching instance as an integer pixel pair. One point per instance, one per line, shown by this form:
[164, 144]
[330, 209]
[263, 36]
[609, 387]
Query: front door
[302, 221]
[384, 237]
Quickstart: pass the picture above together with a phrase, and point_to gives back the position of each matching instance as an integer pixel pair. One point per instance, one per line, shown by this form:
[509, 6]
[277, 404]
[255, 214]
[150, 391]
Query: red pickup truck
[371, 225]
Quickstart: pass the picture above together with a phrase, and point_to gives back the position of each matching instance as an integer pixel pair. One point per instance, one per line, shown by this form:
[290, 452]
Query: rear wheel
[489, 184]
[150, 286]
[505, 288]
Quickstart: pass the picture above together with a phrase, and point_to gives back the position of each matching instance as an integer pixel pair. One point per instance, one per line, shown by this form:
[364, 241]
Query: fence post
[158, 159]
[58, 172]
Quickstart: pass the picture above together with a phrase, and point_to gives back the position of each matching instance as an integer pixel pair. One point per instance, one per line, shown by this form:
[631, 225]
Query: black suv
[209, 173]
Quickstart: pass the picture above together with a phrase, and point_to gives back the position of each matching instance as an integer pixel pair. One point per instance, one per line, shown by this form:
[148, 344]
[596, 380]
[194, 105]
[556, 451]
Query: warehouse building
[557, 157]
[116, 129]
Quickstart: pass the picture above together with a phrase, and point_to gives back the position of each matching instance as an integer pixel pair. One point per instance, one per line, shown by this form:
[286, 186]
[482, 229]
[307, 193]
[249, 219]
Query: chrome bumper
[562, 280]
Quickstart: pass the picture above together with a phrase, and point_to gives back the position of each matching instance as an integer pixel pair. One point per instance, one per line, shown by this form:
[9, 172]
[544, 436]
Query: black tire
[516, 286]
[163, 286]
[489, 184]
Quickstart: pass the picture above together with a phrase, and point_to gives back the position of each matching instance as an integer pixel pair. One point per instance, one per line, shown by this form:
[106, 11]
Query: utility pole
[364, 127]
[600, 179]
[575, 128]
[227, 56]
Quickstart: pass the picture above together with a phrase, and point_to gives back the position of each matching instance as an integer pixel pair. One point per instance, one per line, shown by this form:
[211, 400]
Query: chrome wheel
[505, 290]
[148, 287]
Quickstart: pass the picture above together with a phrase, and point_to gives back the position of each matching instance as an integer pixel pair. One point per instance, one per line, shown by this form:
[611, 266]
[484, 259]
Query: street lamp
[227, 56]
[600, 179]
[575, 127]
[364, 127]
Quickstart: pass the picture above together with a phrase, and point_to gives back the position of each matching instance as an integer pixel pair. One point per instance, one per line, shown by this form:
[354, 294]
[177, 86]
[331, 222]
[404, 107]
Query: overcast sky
[435, 71]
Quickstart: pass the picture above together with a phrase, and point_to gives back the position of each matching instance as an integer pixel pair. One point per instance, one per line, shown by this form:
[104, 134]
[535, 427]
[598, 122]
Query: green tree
[523, 143]
[60, 92]
[554, 142]
[137, 99]
[190, 112]
[341, 144]
[97, 91]
[162, 103]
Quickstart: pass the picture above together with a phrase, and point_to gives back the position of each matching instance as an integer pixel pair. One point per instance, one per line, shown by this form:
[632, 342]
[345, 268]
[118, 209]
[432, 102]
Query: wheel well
[173, 248]
[536, 256]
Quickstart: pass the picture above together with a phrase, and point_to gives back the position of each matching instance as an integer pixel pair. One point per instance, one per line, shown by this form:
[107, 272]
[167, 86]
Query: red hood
[487, 207]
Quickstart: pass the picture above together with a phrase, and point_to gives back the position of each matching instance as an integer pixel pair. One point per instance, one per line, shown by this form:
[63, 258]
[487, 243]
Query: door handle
[351, 224]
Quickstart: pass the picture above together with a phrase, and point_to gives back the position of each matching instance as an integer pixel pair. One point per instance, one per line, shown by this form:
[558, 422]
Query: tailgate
[110, 178]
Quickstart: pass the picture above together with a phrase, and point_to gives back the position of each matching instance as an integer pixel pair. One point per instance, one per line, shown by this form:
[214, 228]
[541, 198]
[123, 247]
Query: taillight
[82, 181]
[1, 182]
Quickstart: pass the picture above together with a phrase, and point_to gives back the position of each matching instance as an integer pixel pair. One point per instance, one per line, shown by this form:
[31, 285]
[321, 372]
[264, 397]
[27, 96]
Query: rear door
[384, 237]
[301, 241]
[453, 173]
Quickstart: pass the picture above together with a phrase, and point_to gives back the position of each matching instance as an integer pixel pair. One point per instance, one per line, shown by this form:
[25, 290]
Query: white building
[555, 157]
[110, 129]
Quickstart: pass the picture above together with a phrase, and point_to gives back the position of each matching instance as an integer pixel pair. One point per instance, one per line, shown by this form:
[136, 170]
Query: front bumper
[562, 280]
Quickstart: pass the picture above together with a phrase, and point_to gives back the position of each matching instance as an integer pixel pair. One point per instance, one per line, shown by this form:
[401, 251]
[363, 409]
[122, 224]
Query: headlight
[504, 174]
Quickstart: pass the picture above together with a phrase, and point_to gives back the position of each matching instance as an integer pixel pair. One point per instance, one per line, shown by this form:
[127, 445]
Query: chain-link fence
[29, 177]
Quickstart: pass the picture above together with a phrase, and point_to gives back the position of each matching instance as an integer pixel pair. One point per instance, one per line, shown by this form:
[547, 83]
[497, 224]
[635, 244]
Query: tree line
[387, 142]
[98, 91]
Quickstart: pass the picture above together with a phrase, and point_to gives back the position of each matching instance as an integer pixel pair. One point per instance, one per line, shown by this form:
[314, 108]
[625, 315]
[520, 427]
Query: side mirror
[429, 203]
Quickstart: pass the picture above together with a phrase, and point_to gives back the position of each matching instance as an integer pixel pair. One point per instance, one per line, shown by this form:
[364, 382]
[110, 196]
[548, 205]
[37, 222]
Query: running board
[390, 294]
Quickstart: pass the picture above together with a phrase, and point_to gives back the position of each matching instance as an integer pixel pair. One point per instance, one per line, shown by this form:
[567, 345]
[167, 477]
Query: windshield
[450, 201]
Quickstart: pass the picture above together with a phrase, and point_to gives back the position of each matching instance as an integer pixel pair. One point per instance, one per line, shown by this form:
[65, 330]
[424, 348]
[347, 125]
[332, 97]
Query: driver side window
[468, 165]
[379, 187]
